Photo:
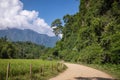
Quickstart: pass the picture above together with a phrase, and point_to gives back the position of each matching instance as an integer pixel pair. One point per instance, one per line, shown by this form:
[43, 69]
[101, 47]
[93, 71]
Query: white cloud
[12, 15]
[60, 35]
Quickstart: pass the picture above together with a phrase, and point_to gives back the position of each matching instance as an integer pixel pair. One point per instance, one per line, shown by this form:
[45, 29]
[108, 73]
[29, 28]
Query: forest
[20, 50]
[92, 35]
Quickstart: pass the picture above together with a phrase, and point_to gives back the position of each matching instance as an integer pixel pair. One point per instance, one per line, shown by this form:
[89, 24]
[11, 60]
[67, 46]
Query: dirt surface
[80, 72]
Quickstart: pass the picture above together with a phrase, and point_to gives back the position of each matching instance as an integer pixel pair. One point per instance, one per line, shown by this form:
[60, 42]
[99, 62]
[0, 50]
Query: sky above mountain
[52, 9]
[36, 15]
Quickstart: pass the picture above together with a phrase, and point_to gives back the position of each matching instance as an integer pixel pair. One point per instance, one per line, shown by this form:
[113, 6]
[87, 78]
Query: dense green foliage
[20, 69]
[29, 50]
[93, 34]
[7, 49]
[25, 50]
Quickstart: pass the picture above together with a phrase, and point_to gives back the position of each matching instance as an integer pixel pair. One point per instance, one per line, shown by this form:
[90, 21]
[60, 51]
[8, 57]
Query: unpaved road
[80, 72]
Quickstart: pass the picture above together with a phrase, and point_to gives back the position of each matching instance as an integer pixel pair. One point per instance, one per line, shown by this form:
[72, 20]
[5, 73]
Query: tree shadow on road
[93, 78]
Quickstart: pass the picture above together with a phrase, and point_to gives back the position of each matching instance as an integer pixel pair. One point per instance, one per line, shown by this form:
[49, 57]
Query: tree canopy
[57, 26]
[93, 34]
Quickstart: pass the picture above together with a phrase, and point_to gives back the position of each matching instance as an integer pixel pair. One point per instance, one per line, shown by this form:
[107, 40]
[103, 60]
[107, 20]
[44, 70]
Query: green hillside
[93, 34]
[20, 50]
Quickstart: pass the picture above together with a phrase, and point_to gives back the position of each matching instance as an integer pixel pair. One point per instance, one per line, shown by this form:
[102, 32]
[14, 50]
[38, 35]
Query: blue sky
[36, 15]
[50, 10]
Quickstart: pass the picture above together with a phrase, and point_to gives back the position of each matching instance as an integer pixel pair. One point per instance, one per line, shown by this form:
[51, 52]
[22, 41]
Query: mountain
[29, 35]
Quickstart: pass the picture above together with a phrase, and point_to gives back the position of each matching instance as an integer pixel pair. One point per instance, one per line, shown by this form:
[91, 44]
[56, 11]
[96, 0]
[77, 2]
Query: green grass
[20, 69]
[111, 69]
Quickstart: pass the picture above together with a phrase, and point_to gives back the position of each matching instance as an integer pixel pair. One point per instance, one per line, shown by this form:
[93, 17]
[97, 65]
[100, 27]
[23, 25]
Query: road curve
[80, 72]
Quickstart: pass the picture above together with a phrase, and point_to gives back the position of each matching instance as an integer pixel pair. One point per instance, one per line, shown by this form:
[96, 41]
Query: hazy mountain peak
[14, 34]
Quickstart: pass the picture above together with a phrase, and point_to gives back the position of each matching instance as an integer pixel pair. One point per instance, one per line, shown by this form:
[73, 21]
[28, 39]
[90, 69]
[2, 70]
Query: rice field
[29, 69]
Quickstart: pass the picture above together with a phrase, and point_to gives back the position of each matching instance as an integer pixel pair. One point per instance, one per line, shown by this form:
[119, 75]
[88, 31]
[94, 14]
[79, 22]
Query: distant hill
[29, 35]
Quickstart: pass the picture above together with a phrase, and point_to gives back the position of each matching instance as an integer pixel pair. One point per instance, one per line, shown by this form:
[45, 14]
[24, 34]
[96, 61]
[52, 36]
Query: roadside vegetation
[91, 36]
[20, 69]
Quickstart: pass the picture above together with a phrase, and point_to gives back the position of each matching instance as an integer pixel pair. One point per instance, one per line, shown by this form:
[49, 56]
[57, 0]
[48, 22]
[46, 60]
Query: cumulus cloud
[12, 15]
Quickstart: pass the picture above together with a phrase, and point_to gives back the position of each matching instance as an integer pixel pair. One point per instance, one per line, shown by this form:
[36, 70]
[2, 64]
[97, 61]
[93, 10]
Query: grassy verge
[111, 69]
[20, 69]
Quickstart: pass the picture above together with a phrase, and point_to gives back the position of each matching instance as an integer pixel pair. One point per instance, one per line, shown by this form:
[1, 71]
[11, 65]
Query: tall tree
[57, 26]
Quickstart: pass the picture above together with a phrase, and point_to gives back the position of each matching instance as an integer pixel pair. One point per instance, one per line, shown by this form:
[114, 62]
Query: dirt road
[80, 72]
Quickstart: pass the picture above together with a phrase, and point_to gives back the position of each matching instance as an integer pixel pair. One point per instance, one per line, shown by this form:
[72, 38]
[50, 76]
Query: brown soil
[80, 72]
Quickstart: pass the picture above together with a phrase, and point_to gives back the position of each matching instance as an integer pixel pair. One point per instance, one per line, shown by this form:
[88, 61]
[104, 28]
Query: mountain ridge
[14, 34]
